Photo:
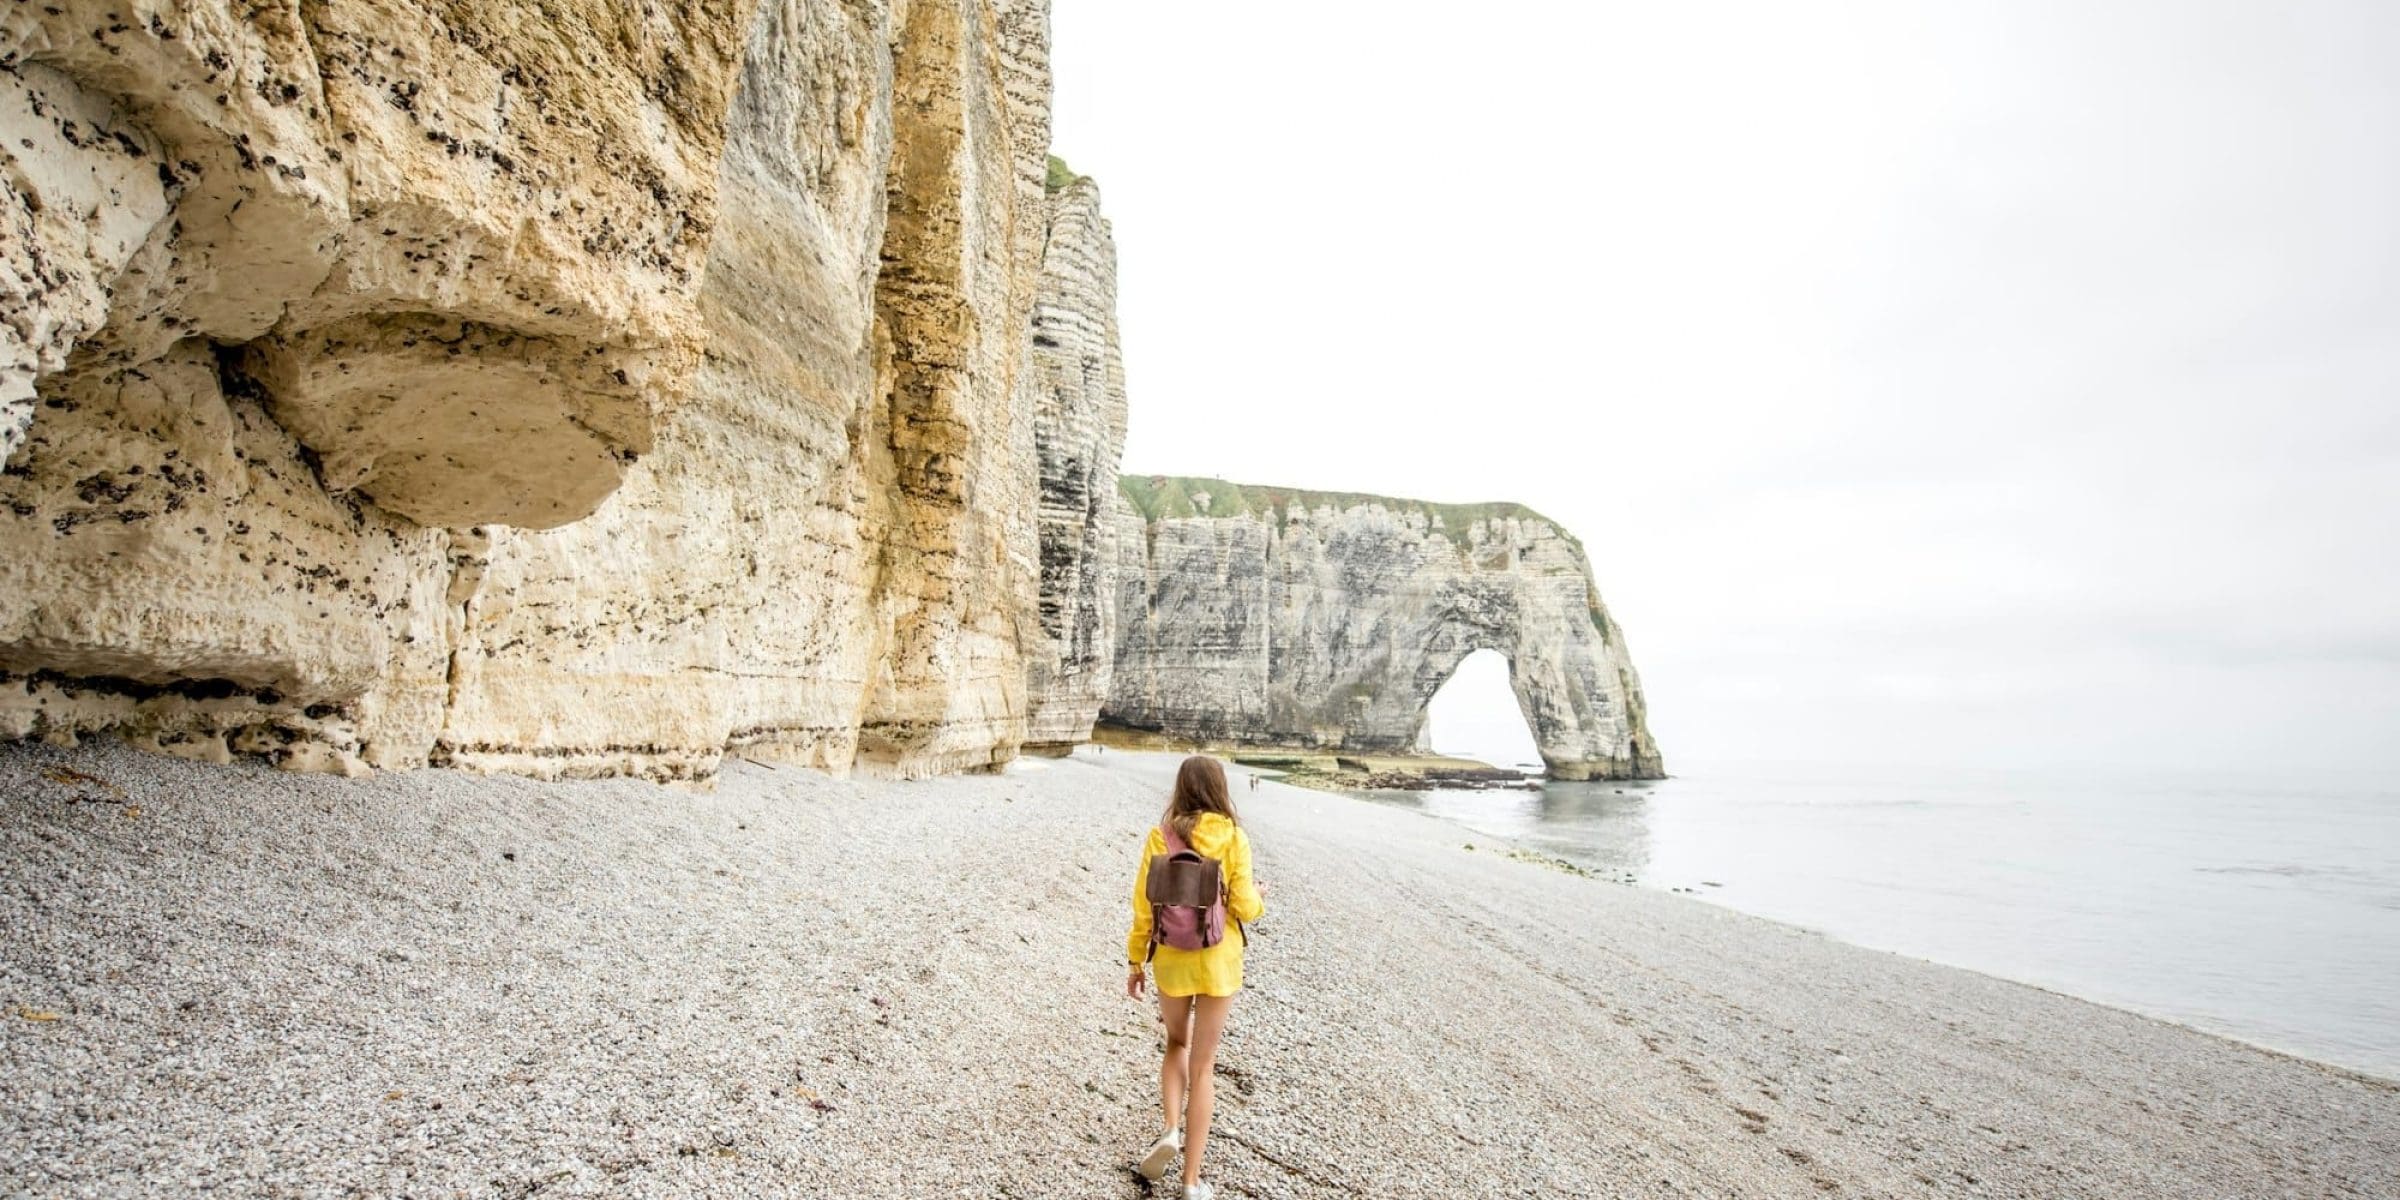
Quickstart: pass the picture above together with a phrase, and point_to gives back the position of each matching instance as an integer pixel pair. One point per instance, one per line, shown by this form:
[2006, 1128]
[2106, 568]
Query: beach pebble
[791, 985]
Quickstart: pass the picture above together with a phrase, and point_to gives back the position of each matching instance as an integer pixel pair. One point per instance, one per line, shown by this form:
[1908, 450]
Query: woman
[1195, 987]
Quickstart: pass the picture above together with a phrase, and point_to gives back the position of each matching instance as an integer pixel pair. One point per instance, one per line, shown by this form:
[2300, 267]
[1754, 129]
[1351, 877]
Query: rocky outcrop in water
[1266, 616]
[568, 388]
[1079, 431]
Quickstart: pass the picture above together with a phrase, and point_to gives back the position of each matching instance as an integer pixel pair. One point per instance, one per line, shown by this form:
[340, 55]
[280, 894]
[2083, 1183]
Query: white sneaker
[1199, 1191]
[1161, 1152]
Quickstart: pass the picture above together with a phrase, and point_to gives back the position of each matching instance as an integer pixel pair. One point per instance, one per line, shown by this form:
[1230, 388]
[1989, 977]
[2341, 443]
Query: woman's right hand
[1134, 981]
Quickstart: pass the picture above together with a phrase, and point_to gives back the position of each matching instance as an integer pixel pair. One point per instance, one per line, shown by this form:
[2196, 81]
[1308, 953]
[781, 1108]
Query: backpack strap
[1167, 834]
[1225, 889]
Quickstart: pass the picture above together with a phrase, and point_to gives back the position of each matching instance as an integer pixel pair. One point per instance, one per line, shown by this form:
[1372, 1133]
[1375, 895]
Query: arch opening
[1475, 714]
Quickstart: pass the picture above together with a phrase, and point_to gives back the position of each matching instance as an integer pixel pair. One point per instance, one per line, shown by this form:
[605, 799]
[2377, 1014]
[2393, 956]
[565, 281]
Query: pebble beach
[236, 981]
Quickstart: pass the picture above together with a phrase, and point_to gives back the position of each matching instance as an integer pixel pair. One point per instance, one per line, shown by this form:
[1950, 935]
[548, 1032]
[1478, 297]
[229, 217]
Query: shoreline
[796, 985]
[2231, 1023]
[1336, 771]
[1540, 859]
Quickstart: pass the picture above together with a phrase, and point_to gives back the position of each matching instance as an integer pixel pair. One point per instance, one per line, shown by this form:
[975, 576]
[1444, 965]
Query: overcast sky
[1945, 383]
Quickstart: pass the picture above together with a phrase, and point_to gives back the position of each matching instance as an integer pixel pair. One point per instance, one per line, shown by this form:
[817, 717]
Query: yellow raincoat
[1216, 971]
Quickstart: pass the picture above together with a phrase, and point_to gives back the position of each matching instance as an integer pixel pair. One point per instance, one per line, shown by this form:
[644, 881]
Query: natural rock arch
[1476, 711]
[1272, 617]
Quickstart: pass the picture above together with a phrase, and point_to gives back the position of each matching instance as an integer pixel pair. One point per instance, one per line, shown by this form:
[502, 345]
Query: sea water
[2266, 910]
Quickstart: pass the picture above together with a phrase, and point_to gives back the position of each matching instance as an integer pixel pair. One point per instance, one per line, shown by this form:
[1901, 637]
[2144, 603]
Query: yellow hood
[1212, 836]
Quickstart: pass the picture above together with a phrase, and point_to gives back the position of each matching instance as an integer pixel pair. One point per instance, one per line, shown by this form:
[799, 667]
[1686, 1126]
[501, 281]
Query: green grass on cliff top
[1060, 174]
[1165, 497]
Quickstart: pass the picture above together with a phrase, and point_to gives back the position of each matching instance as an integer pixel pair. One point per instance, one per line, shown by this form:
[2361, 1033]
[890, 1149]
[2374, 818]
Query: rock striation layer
[1079, 432]
[1267, 616]
[578, 388]
[830, 558]
[568, 387]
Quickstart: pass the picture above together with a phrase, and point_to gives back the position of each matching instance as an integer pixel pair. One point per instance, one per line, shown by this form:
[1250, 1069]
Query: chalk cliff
[570, 387]
[1079, 432]
[580, 388]
[1289, 618]
[830, 557]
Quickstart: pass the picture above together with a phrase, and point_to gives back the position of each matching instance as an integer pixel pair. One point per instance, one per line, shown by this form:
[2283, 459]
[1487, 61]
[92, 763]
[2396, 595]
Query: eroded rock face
[174, 570]
[353, 390]
[1275, 617]
[463, 239]
[288, 288]
[1078, 380]
[828, 559]
[579, 388]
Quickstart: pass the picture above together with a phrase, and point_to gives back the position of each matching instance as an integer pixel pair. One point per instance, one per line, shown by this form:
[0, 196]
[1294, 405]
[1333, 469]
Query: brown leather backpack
[1186, 891]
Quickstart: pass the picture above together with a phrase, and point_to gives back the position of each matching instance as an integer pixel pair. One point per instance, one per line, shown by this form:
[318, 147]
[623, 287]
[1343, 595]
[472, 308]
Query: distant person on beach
[1201, 858]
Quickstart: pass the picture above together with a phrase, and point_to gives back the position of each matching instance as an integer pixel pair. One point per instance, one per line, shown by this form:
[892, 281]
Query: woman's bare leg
[1175, 1072]
[1208, 1027]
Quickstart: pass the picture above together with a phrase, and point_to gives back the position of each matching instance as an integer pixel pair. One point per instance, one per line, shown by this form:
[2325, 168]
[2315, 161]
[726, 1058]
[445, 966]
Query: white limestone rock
[828, 558]
[1079, 421]
[1268, 616]
[85, 194]
[175, 571]
[425, 289]
[580, 388]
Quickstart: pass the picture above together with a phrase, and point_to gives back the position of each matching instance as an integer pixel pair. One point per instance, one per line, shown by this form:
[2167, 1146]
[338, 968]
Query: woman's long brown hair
[1199, 788]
